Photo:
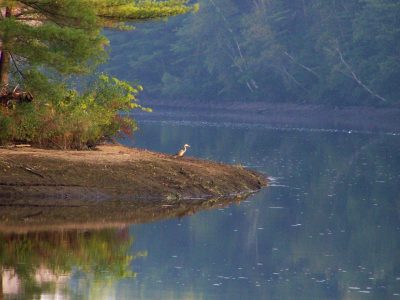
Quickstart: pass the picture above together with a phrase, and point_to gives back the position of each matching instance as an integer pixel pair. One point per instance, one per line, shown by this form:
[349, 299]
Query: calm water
[328, 227]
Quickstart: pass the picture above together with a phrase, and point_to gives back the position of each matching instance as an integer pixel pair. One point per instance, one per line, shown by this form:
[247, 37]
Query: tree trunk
[1, 286]
[4, 68]
[5, 56]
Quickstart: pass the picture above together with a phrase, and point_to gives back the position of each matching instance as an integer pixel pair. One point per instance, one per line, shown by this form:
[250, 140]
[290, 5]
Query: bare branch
[355, 77]
[16, 66]
[301, 65]
[285, 71]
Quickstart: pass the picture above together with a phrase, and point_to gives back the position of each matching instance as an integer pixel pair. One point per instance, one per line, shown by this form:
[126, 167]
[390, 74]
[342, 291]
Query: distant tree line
[342, 52]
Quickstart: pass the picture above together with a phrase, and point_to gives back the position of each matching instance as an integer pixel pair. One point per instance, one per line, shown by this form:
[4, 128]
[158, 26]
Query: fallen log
[10, 98]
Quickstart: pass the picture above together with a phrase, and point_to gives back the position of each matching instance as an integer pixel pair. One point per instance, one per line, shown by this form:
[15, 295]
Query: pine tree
[43, 43]
[42, 36]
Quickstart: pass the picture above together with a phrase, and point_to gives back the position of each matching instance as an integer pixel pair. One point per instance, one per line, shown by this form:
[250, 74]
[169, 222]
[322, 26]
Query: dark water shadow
[25, 215]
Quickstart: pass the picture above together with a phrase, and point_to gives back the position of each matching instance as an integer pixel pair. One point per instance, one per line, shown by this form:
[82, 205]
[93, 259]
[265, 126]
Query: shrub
[68, 119]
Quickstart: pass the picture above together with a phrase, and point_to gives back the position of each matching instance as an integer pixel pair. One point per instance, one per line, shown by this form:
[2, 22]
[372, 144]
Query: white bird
[181, 152]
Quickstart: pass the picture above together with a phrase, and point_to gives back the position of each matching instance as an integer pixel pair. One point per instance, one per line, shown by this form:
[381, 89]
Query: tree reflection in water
[37, 263]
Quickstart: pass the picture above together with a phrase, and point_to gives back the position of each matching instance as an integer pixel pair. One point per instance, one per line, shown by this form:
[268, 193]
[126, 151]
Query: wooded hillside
[303, 51]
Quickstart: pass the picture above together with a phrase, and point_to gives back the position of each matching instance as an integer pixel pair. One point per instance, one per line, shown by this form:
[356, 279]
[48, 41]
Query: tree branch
[355, 77]
[301, 65]
[16, 66]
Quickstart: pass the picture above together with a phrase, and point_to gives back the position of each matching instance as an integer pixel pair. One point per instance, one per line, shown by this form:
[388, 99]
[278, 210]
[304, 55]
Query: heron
[182, 151]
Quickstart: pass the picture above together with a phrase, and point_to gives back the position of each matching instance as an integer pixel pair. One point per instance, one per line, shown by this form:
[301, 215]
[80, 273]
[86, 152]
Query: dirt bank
[111, 186]
[117, 172]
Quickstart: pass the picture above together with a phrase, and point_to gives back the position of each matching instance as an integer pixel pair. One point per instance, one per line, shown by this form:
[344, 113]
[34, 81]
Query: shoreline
[277, 115]
[113, 183]
[116, 171]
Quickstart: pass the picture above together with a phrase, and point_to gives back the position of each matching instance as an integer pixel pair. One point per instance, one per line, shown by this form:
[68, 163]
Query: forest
[68, 69]
[336, 53]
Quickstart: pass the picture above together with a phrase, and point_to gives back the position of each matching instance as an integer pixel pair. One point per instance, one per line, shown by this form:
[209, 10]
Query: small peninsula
[112, 185]
[114, 171]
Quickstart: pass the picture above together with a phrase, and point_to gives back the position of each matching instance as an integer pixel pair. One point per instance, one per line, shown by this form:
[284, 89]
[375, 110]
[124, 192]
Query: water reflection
[30, 215]
[328, 227]
[47, 263]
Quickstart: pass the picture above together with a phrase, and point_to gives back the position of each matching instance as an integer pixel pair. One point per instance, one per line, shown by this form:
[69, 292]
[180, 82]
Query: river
[327, 227]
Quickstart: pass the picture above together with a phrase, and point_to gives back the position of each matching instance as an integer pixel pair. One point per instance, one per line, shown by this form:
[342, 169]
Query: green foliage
[42, 43]
[58, 42]
[66, 35]
[5, 124]
[71, 119]
[103, 254]
[336, 53]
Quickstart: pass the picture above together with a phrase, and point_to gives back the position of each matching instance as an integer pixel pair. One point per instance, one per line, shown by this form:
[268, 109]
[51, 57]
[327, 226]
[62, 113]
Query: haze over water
[327, 227]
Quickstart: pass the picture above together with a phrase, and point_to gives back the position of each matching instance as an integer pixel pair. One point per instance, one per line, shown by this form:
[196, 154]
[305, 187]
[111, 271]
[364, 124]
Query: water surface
[328, 227]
